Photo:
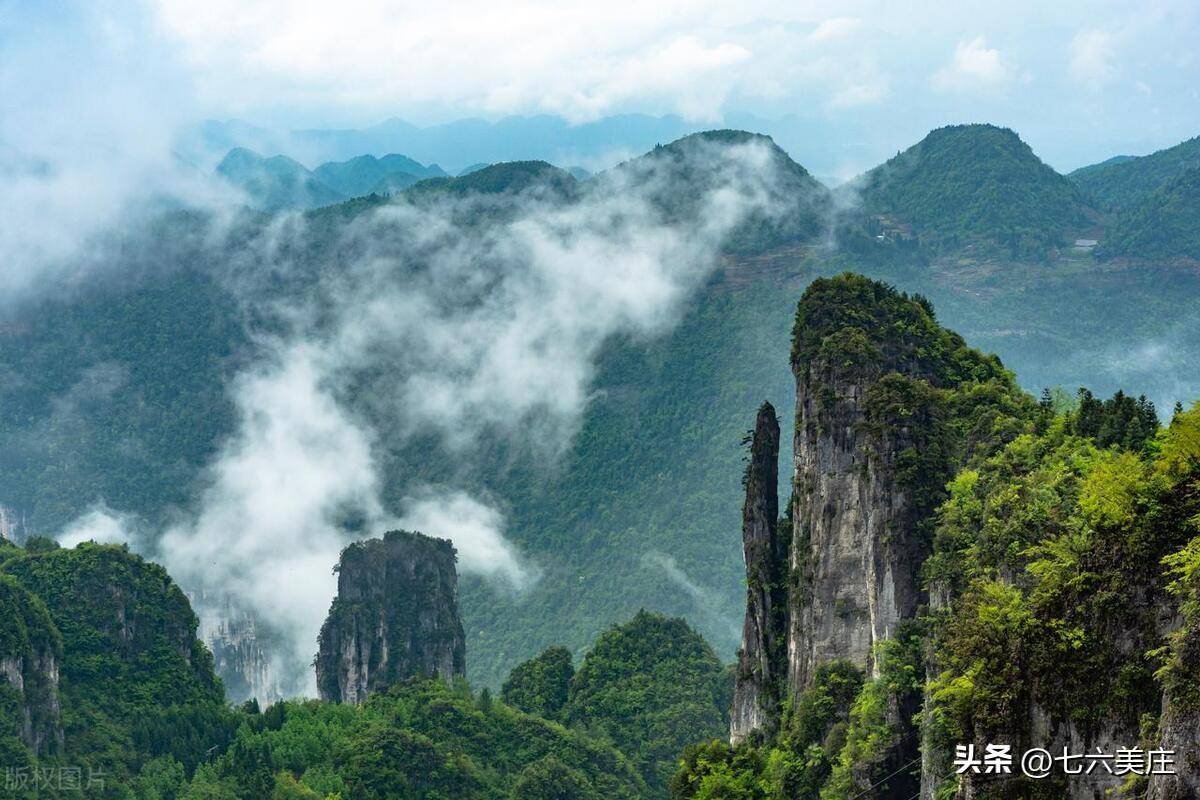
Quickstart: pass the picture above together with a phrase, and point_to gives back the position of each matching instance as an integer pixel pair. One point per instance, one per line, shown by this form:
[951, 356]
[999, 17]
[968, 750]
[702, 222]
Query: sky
[1079, 80]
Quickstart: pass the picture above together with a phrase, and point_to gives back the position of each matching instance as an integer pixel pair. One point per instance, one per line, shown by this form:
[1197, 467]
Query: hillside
[112, 676]
[280, 183]
[1124, 183]
[366, 174]
[971, 185]
[117, 391]
[275, 183]
[678, 174]
[1025, 585]
[1166, 224]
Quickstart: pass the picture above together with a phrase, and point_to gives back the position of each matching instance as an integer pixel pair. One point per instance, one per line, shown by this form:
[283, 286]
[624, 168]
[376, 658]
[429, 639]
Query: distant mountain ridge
[1123, 182]
[280, 182]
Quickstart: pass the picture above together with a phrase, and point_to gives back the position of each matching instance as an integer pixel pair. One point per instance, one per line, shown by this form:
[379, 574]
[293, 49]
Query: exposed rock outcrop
[760, 659]
[395, 617]
[242, 650]
[30, 654]
[13, 526]
[872, 452]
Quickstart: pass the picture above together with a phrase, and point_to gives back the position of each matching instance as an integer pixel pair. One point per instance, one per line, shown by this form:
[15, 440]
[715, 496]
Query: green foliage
[539, 686]
[421, 741]
[1123, 183]
[138, 698]
[1163, 225]
[1052, 549]
[1119, 421]
[875, 736]
[652, 687]
[550, 779]
[677, 176]
[965, 185]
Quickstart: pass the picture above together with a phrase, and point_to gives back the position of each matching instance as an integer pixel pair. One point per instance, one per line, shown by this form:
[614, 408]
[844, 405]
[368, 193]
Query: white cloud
[835, 28]
[457, 333]
[974, 66]
[1091, 58]
[475, 528]
[101, 525]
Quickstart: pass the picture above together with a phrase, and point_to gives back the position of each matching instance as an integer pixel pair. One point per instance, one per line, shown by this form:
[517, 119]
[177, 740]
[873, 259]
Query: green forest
[1057, 525]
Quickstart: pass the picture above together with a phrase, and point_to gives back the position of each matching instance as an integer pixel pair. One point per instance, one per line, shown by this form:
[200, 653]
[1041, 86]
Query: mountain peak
[975, 184]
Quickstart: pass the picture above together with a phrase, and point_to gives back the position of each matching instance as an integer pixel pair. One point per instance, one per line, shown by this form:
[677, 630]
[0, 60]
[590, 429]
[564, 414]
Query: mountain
[509, 177]
[275, 183]
[972, 185]
[118, 390]
[958, 563]
[395, 617]
[1166, 224]
[102, 668]
[677, 175]
[1124, 182]
[365, 174]
[457, 143]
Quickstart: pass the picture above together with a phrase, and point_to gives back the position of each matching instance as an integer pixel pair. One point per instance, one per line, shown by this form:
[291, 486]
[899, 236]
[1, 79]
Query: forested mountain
[115, 391]
[114, 697]
[367, 174]
[280, 183]
[275, 183]
[1163, 225]
[110, 674]
[1035, 597]
[1124, 183]
[966, 185]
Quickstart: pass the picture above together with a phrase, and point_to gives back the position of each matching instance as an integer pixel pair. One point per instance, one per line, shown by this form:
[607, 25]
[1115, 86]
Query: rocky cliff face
[395, 617]
[30, 654]
[873, 448]
[13, 527]
[242, 647]
[760, 659]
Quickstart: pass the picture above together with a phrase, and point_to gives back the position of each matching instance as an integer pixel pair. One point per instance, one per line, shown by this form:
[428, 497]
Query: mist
[448, 321]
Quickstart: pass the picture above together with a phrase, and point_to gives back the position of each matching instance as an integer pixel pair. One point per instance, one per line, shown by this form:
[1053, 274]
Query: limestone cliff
[242, 648]
[874, 445]
[760, 665]
[30, 655]
[395, 617]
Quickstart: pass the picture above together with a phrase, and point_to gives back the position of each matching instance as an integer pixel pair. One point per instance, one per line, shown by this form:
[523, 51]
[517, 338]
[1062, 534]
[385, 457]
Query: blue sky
[861, 80]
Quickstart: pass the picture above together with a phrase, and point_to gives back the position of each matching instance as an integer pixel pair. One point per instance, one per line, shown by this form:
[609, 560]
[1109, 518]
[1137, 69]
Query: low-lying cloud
[452, 322]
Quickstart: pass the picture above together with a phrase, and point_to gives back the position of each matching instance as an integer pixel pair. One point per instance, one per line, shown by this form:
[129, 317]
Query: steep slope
[1035, 601]
[395, 617]
[103, 668]
[761, 659]
[974, 184]
[1124, 183]
[677, 175]
[1166, 224]
[275, 183]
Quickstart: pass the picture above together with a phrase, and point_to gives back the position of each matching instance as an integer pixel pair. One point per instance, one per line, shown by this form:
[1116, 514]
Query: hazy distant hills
[454, 144]
[970, 183]
[1124, 182]
[278, 182]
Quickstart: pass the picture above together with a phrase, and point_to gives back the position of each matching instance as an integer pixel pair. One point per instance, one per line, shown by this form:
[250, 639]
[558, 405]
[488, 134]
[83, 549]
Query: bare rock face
[760, 660]
[870, 455]
[1179, 726]
[395, 617]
